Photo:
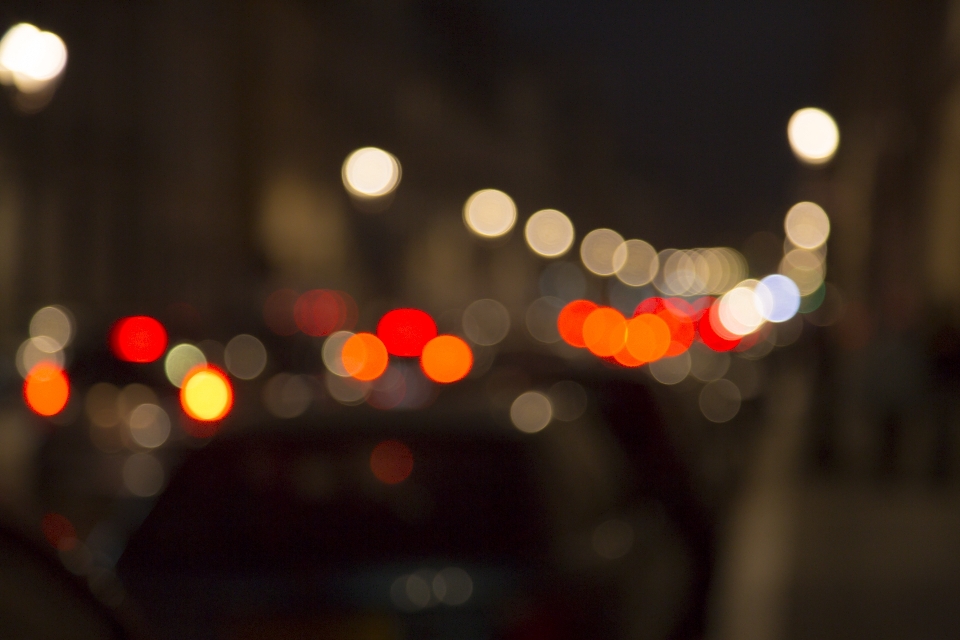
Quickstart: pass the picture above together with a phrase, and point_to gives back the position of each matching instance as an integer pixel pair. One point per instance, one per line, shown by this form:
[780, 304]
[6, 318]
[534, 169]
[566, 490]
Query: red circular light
[406, 331]
[320, 312]
[391, 462]
[571, 319]
[708, 335]
[138, 339]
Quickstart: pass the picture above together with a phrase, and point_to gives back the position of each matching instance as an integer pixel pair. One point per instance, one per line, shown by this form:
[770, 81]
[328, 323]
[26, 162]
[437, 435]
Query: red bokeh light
[406, 331]
[571, 319]
[278, 312]
[320, 312]
[707, 320]
[391, 462]
[46, 389]
[138, 339]
[59, 531]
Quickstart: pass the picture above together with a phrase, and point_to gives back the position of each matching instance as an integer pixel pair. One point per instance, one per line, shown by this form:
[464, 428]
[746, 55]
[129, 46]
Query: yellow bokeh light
[813, 135]
[807, 225]
[206, 394]
[490, 213]
[371, 173]
[597, 251]
[549, 233]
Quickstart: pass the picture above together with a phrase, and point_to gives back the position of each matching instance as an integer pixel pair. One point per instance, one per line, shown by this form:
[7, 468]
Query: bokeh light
[149, 425]
[143, 475]
[278, 312]
[46, 389]
[206, 394]
[389, 390]
[486, 322]
[346, 390]
[648, 337]
[597, 251]
[371, 173]
[707, 329]
[778, 298]
[813, 135]
[541, 319]
[571, 319]
[605, 331]
[287, 395]
[549, 233]
[676, 314]
[807, 269]
[332, 352]
[180, 360]
[707, 364]
[568, 400]
[490, 213]
[245, 356]
[30, 58]
[671, 370]
[404, 332]
[531, 412]
[364, 356]
[320, 312]
[53, 323]
[131, 397]
[138, 339]
[636, 263]
[807, 225]
[452, 586]
[33, 351]
[720, 401]
[446, 359]
[100, 405]
[739, 311]
[391, 462]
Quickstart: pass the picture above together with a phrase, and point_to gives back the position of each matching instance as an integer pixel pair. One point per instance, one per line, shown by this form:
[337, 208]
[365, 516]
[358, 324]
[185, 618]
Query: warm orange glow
[446, 359]
[626, 359]
[46, 389]
[648, 337]
[605, 331]
[571, 319]
[206, 394]
[391, 462]
[364, 356]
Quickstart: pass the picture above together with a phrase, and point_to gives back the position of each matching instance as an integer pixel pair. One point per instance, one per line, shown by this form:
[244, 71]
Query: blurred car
[421, 524]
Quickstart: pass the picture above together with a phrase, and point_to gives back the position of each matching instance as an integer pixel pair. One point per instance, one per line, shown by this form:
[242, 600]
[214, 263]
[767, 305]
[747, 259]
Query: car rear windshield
[285, 503]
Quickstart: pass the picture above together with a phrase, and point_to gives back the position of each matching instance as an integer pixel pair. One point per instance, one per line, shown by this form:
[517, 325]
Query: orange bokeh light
[364, 356]
[46, 389]
[391, 462]
[605, 331]
[677, 313]
[626, 359]
[446, 359]
[648, 337]
[571, 319]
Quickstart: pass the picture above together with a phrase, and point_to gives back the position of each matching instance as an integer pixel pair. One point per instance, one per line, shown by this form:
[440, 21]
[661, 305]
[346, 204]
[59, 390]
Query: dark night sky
[698, 96]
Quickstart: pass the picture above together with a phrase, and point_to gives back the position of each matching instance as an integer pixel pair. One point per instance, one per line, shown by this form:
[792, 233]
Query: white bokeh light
[814, 136]
[371, 173]
[490, 213]
[549, 233]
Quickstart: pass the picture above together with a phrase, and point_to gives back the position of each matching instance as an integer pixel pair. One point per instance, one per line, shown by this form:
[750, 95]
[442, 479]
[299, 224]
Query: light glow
[371, 173]
[549, 233]
[813, 135]
[490, 213]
